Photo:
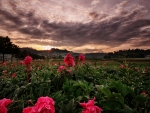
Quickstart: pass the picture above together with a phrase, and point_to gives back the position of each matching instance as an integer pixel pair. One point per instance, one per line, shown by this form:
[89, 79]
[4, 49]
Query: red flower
[13, 75]
[121, 66]
[38, 67]
[4, 64]
[29, 110]
[143, 93]
[136, 68]
[82, 57]
[43, 105]
[69, 60]
[61, 68]
[21, 62]
[5, 71]
[3, 104]
[28, 60]
[89, 107]
[69, 71]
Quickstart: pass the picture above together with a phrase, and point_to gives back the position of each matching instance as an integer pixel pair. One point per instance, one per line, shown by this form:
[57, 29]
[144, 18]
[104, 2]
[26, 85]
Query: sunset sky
[77, 25]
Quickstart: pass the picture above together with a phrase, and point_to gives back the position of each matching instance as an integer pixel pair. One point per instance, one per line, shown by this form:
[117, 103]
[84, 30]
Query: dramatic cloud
[81, 28]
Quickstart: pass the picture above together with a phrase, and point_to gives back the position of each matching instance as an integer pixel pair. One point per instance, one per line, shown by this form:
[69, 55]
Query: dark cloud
[103, 28]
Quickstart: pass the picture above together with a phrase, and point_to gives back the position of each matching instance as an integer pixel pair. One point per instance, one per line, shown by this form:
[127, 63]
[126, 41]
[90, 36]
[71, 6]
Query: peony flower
[89, 107]
[69, 71]
[21, 62]
[136, 68]
[4, 64]
[38, 67]
[13, 75]
[61, 68]
[29, 110]
[121, 66]
[28, 60]
[69, 60]
[82, 57]
[5, 71]
[43, 105]
[143, 93]
[3, 104]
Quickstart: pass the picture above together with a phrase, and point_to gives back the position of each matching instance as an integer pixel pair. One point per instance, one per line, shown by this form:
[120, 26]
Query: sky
[84, 26]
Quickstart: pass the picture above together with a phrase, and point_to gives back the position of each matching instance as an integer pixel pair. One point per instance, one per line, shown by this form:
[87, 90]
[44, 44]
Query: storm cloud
[128, 23]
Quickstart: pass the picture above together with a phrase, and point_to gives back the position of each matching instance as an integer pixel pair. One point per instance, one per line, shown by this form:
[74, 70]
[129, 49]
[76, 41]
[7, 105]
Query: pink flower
[143, 93]
[82, 57]
[69, 60]
[61, 68]
[21, 62]
[89, 107]
[136, 68]
[5, 71]
[29, 110]
[121, 66]
[13, 75]
[28, 60]
[38, 67]
[3, 104]
[146, 68]
[69, 71]
[4, 64]
[43, 105]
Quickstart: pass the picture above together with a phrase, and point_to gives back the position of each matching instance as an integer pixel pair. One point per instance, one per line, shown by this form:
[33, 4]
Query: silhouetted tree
[7, 47]
[130, 53]
[15, 50]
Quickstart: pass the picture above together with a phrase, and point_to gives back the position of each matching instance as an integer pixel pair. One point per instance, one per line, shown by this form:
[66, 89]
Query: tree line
[7, 47]
[130, 53]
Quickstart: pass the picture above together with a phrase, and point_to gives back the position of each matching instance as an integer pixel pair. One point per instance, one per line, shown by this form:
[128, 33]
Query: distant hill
[30, 50]
[52, 50]
[130, 53]
[55, 50]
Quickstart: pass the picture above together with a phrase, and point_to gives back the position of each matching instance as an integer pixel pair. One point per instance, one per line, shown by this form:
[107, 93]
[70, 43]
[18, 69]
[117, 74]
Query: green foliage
[117, 90]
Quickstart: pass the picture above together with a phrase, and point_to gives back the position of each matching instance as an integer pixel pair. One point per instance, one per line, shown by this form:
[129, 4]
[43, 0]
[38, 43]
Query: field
[118, 85]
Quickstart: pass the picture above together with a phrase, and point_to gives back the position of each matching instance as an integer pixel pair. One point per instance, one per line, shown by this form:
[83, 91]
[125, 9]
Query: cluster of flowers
[69, 62]
[27, 60]
[136, 68]
[46, 105]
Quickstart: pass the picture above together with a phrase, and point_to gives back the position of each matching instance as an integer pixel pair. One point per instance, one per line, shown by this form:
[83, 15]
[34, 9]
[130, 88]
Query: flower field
[74, 86]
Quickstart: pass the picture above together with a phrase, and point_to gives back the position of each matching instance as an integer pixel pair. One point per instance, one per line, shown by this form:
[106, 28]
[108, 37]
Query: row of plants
[75, 87]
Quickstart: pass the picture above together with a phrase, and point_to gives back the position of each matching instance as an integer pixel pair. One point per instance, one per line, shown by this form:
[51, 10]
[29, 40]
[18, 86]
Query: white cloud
[95, 2]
